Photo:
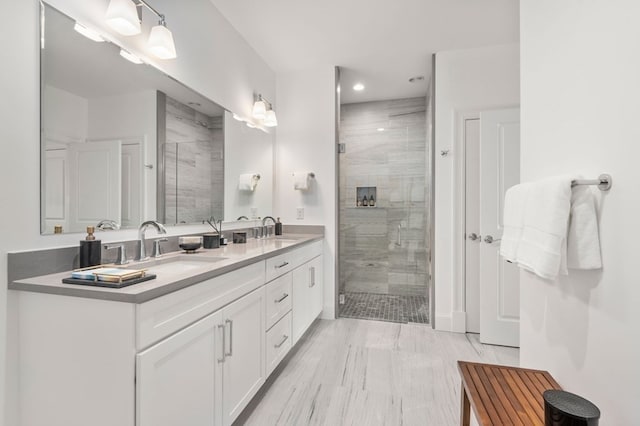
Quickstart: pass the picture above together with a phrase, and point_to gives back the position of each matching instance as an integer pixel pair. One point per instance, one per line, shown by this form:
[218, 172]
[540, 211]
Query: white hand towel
[546, 218]
[513, 222]
[583, 241]
[248, 181]
[301, 180]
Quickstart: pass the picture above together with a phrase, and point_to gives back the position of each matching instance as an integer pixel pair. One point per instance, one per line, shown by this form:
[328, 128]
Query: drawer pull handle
[282, 265]
[312, 276]
[230, 353]
[221, 326]
[284, 339]
[284, 296]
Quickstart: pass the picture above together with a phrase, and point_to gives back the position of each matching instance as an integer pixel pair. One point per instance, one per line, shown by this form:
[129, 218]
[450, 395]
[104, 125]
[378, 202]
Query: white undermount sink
[177, 264]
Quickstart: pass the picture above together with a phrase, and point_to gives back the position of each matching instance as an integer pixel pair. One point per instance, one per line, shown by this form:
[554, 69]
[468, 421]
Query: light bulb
[122, 16]
[161, 42]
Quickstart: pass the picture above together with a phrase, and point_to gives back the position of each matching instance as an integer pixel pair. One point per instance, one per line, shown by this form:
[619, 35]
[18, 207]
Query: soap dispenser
[278, 227]
[90, 250]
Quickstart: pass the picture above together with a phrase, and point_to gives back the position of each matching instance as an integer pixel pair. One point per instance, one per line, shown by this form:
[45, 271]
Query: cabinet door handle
[284, 339]
[312, 276]
[284, 296]
[282, 265]
[230, 353]
[221, 326]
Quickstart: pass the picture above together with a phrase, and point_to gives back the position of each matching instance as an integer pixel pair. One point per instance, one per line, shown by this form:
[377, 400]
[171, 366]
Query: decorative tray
[108, 277]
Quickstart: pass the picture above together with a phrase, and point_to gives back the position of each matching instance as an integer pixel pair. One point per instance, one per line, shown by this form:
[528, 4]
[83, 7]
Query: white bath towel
[514, 204]
[546, 217]
[583, 241]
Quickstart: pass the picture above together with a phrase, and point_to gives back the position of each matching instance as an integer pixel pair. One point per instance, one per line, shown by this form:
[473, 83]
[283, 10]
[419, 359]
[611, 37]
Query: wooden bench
[502, 395]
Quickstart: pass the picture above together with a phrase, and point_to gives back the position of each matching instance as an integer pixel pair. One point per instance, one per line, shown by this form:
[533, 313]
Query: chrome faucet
[159, 227]
[265, 229]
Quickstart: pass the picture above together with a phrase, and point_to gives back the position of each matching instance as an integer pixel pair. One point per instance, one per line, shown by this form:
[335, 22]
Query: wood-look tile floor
[366, 373]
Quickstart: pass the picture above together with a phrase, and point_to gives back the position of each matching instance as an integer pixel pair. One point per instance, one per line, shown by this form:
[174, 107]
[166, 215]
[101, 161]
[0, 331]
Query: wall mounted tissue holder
[302, 180]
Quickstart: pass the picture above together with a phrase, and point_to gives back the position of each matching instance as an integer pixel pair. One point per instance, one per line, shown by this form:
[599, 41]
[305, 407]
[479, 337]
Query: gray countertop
[222, 260]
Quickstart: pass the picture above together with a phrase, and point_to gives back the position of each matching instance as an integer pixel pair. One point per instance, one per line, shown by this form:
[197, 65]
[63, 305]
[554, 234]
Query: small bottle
[278, 227]
[90, 250]
[57, 229]
[358, 202]
[365, 202]
[372, 202]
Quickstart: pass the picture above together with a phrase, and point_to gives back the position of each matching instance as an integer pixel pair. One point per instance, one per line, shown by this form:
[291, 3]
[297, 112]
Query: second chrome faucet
[141, 236]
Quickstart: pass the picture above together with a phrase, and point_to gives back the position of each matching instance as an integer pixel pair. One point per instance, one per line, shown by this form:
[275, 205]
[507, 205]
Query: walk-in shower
[384, 212]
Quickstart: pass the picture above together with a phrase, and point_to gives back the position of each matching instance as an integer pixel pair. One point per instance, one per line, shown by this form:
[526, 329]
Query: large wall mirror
[124, 142]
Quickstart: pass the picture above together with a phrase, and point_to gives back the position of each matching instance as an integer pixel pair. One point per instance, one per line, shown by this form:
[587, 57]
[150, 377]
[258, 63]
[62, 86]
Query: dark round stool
[567, 409]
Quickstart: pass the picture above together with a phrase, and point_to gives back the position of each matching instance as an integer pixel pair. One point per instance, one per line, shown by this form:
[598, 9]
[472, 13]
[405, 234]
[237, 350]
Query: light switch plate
[300, 213]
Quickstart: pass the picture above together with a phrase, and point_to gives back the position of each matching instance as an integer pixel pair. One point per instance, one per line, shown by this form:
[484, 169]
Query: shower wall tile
[394, 161]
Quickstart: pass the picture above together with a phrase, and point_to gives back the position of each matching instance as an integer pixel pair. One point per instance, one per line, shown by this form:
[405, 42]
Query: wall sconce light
[125, 16]
[263, 110]
[88, 33]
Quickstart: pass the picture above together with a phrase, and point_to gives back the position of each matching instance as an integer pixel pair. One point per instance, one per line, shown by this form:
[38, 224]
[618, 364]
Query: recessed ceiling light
[358, 87]
[416, 79]
[380, 129]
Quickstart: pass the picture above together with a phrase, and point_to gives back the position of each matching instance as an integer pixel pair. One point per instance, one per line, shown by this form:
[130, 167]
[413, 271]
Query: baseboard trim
[459, 322]
[328, 312]
[443, 323]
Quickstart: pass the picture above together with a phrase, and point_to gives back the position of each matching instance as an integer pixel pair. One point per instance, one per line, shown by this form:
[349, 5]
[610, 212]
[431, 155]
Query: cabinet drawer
[278, 299]
[165, 315]
[278, 342]
[285, 262]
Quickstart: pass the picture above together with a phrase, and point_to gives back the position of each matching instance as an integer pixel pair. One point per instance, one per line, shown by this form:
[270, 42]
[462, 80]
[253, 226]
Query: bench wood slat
[501, 395]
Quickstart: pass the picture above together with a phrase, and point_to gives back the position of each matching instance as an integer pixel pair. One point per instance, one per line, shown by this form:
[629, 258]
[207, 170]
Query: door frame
[459, 310]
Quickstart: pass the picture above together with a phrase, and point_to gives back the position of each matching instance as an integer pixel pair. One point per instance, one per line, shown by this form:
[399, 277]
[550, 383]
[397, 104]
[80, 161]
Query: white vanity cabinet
[195, 356]
[243, 366]
[207, 373]
[307, 296]
[179, 380]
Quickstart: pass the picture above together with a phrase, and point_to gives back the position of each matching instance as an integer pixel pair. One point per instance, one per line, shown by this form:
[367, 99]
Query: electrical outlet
[300, 213]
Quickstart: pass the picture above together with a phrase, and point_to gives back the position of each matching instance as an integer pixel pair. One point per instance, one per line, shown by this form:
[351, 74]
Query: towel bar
[604, 182]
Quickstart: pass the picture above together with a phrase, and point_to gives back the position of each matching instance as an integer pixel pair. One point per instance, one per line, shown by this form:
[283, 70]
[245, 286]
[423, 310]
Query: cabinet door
[316, 287]
[179, 379]
[307, 296]
[244, 363]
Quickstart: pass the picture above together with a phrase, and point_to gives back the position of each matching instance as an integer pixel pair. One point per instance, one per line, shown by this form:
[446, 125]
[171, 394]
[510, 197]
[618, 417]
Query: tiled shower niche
[366, 196]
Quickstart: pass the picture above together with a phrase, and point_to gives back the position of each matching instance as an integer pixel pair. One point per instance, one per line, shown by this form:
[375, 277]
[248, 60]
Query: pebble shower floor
[386, 307]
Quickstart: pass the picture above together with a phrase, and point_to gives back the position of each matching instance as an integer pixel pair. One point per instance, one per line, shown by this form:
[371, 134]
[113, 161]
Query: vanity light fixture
[358, 87]
[237, 117]
[270, 119]
[122, 16]
[130, 57]
[88, 33]
[125, 17]
[263, 110]
[259, 108]
[161, 41]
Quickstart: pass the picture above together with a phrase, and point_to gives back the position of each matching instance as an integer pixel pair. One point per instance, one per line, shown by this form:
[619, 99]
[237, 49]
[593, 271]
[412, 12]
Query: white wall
[212, 58]
[306, 141]
[466, 81]
[68, 117]
[580, 109]
[247, 151]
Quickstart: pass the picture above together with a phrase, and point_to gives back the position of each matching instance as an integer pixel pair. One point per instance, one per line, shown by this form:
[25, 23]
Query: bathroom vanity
[191, 347]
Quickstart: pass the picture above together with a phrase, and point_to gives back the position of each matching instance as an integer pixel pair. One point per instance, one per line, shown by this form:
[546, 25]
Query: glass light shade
[161, 42]
[270, 119]
[122, 16]
[259, 110]
[88, 33]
